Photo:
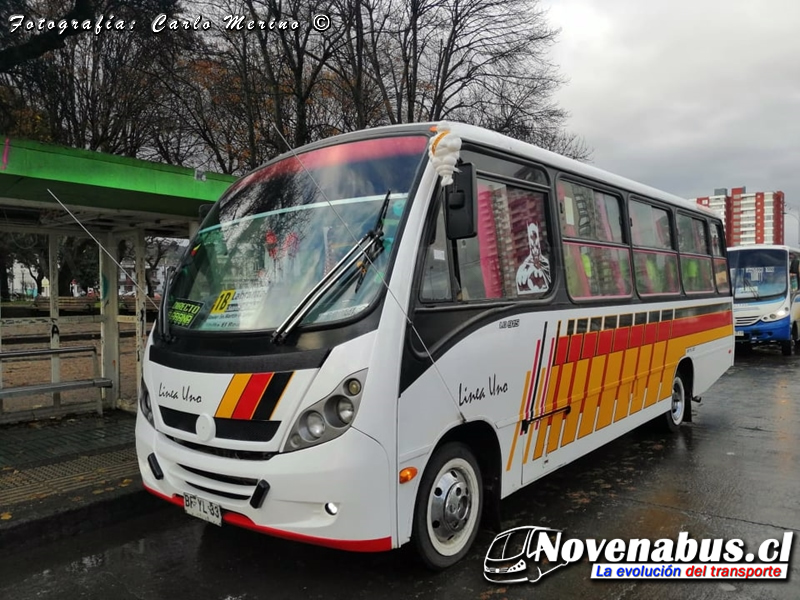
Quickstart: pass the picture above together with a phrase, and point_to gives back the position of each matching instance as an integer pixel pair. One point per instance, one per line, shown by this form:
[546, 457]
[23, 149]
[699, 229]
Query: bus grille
[745, 321]
[226, 486]
[224, 452]
[230, 429]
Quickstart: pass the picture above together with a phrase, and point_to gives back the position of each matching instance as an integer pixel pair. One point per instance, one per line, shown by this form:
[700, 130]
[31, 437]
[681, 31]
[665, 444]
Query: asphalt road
[732, 473]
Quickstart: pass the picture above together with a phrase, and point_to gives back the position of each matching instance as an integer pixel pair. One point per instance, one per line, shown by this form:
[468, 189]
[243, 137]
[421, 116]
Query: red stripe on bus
[621, 339]
[651, 333]
[561, 350]
[637, 336]
[375, 545]
[546, 383]
[605, 341]
[534, 379]
[575, 347]
[664, 329]
[691, 325]
[589, 345]
[251, 395]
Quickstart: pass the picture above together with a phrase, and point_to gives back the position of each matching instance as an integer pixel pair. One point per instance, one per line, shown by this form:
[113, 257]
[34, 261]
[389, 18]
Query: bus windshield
[276, 232]
[759, 274]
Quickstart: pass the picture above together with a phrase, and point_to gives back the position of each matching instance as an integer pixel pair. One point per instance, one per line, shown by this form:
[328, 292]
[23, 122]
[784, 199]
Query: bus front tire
[448, 508]
[787, 347]
[679, 404]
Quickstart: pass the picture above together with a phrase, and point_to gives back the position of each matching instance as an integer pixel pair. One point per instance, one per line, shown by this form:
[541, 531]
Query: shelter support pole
[141, 299]
[109, 327]
[55, 333]
[1, 348]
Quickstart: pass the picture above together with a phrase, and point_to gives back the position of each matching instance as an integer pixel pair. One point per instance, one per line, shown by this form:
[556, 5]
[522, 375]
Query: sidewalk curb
[57, 524]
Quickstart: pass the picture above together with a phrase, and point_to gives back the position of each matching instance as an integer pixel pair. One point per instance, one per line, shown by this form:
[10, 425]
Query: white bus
[360, 352]
[766, 308]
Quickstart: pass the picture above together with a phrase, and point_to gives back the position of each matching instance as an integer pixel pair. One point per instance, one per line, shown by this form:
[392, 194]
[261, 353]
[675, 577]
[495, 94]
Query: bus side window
[436, 271]
[654, 259]
[696, 268]
[720, 262]
[596, 258]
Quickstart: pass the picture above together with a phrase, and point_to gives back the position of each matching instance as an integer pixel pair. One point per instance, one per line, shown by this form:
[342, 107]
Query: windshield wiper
[376, 247]
[363, 247]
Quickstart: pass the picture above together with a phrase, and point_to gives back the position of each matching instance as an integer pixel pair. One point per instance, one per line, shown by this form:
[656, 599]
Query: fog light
[331, 509]
[353, 387]
[295, 441]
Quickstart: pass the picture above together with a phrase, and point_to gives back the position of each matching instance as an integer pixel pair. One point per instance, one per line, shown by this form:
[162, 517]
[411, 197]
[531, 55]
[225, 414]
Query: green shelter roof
[105, 192]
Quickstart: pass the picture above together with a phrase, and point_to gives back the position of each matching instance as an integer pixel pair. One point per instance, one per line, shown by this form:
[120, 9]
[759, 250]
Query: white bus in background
[360, 352]
[765, 287]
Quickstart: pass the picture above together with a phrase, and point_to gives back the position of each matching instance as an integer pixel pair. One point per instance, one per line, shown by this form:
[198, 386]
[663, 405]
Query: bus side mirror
[204, 210]
[793, 279]
[460, 201]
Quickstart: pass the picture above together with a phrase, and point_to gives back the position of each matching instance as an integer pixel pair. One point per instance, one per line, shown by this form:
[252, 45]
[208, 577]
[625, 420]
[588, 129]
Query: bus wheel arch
[472, 443]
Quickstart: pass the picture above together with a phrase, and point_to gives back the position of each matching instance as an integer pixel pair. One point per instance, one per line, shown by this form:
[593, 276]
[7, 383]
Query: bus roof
[493, 139]
[764, 247]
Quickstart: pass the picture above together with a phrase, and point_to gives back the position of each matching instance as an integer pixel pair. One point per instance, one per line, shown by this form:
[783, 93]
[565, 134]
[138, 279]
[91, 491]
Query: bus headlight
[315, 424]
[345, 410]
[328, 418]
[777, 315]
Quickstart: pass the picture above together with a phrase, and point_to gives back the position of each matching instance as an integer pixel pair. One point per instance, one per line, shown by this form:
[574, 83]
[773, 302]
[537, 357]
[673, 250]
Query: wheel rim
[678, 401]
[452, 507]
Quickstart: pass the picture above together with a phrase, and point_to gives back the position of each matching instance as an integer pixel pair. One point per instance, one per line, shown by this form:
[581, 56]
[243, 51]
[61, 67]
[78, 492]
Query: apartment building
[749, 217]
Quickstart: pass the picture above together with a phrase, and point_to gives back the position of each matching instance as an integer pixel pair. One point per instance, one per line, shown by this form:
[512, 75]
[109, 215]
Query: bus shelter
[57, 191]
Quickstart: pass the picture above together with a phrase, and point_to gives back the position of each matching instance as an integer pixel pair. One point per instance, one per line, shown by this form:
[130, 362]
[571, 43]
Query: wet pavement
[732, 473]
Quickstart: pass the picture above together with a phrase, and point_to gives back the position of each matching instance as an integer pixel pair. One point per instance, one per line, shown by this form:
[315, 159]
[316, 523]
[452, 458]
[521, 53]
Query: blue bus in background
[766, 307]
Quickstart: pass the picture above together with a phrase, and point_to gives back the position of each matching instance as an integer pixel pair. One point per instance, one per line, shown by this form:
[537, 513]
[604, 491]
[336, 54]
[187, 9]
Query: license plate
[202, 509]
[740, 334]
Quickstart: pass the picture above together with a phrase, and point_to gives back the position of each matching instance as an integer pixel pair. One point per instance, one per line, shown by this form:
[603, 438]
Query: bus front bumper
[347, 476]
[761, 332]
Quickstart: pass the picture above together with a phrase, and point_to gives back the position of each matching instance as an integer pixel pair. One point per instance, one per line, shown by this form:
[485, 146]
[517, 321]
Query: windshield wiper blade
[360, 248]
[375, 247]
[311, 298]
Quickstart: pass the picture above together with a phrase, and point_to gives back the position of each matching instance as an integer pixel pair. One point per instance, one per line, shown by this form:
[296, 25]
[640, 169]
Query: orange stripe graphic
[632, 376]
[519, 423]
[232, 394]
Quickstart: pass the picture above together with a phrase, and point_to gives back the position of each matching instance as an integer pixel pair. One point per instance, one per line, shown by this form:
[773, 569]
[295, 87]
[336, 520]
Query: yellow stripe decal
[232, 395]
[519, 424]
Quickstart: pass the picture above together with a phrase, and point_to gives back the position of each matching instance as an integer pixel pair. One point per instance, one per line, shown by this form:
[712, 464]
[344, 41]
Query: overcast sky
[686, 96]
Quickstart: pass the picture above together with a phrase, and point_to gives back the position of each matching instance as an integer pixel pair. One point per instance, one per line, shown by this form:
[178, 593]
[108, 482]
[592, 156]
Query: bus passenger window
[697, 272]
[656, 268]
[597, 261]
[720, 262]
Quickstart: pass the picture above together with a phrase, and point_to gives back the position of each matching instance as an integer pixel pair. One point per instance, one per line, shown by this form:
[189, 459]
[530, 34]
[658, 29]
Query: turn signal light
[408, 474]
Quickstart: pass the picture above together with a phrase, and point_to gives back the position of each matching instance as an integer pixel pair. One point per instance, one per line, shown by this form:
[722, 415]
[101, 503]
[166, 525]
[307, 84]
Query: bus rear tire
[679, 404]
[448, 508]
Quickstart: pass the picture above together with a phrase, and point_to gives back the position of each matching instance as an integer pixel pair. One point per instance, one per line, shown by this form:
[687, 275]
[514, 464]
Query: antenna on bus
[382, 278]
